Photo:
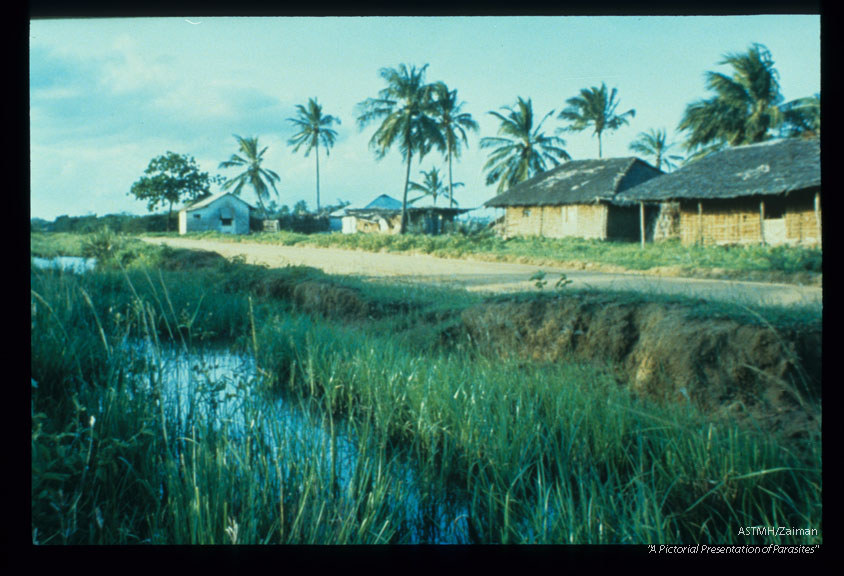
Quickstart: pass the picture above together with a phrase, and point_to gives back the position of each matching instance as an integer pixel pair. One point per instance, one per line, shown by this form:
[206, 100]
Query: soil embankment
[756, 373]
[766, 376]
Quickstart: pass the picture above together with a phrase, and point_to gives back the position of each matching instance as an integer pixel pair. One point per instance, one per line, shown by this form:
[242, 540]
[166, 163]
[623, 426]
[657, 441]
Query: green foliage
[432, 186]
[254, 175]
[540, 281]
[521, 150]
[454, 124]
[315, 128]
[802, 116]
[170, 179]
[380, 440]
[654, 144]
[102, 245]
[595, 108]
[745, 106]
[407, 111]
[789, 260]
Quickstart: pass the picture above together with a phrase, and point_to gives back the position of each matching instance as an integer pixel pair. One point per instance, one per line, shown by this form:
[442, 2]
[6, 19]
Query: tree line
[417, 117]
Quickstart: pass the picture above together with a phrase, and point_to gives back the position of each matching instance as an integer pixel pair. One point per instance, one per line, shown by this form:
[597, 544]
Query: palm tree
[802, 116]
[654, 143]
[521, 150]
[407, 112]
[744, 109]
[433, 186]
[453, 123]
[254, 175]
[314, 129]
[595, 108]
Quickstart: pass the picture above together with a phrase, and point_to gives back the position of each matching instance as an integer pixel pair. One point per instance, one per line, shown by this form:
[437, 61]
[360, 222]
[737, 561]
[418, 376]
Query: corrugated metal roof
[578, 182]
[773, 167]
[384, 202]
[208, 200]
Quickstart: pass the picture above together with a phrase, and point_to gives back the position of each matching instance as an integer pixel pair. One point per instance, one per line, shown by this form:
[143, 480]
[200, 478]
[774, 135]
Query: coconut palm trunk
[450, 183]
[317, 177]
[403, 226]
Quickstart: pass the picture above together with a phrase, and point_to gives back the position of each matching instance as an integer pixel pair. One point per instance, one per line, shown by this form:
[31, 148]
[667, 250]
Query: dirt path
[494, 276]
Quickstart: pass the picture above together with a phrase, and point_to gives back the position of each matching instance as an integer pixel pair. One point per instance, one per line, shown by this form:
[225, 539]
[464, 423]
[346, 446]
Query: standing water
[66, 263]
[228, 389]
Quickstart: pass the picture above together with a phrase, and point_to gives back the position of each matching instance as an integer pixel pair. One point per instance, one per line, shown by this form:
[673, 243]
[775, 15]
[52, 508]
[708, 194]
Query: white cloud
[130, 71]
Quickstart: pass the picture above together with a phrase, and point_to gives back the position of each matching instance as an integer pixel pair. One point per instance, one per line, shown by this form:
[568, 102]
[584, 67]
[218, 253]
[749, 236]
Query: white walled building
[221, 212]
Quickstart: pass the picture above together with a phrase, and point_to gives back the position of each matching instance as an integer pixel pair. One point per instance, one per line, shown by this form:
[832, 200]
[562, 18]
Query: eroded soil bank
[753, 372]
[759, 374]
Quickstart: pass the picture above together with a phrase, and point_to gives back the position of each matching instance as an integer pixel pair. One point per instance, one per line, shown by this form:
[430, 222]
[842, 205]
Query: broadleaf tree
[170, 179]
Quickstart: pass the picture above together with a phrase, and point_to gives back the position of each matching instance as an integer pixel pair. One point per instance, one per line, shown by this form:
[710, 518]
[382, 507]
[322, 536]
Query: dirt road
[494, 276]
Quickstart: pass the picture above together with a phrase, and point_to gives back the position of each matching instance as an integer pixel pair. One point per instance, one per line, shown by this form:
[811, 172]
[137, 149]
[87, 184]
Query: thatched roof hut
[576, 199]
[767, 192]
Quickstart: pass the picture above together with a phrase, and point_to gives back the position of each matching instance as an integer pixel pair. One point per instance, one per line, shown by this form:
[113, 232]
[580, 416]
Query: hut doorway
[569, 226]
[773, 221]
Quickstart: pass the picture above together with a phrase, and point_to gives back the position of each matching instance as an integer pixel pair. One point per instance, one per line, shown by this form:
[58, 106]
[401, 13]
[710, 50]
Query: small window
[526, 212]
[197, 216]
[226, 221]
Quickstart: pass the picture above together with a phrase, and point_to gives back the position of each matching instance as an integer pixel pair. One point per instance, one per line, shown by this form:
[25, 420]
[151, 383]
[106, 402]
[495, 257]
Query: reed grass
[394, 443]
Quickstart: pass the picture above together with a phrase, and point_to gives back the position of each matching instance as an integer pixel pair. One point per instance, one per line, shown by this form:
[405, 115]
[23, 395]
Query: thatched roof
[578, 182]
[774, 167]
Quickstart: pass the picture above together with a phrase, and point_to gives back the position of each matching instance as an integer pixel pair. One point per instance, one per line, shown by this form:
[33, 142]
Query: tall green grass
[403, 442]
[549, 453]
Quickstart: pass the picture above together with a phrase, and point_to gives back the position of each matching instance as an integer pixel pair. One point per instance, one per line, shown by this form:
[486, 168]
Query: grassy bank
[499, 449]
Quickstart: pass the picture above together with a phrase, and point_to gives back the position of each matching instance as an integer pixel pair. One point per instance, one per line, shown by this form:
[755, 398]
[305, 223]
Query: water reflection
[66, 263]
[227, 388]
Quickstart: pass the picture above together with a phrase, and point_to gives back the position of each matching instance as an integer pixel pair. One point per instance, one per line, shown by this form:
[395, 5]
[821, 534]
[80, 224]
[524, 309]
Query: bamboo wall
[739, 220]
[802, 227]
[590, 221]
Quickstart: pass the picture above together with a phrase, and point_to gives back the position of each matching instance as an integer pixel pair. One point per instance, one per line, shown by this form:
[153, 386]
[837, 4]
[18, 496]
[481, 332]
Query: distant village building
[760, 193]
[576, 199]
[221, 212]
[383, 215]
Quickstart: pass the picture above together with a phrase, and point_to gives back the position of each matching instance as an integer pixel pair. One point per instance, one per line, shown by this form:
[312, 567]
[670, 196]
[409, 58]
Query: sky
[108, 95]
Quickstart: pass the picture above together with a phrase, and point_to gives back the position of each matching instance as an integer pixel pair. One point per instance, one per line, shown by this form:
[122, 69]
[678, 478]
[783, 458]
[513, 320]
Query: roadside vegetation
[755, 262]
[423, 436]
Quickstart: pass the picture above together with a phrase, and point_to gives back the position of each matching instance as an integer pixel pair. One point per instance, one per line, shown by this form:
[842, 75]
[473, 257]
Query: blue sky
[108, 95]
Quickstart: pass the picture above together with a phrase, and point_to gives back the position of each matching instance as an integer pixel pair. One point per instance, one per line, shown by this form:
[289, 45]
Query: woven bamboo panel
[802, 227]
[739, 221]
[591, 221]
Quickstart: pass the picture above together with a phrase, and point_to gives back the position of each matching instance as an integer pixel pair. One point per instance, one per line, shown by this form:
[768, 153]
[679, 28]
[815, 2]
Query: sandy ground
[495, 276]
